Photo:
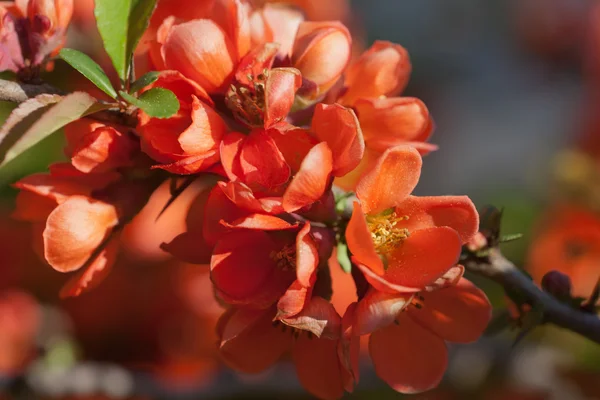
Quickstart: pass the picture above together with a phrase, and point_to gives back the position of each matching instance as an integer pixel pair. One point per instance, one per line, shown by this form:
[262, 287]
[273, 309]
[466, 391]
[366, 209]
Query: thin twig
[17, 92]
[497, 268]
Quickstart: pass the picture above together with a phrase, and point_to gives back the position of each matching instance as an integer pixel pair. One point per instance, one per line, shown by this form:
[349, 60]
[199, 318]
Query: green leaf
[156, 102]
[112, 18]
[39, 117]
[342, 257]
[144, 81]
[139, 18]
[121, 24]
[88, 68]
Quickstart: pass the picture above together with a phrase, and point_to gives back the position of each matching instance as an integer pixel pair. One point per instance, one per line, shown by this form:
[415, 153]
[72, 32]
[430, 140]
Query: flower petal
[94, 274]
[261, 161]
[378, 309]
[456, 212]
[205, 132]
[74, 230]
[318, 367]
[382, 70]
[423, 257]
[244, 198]
[251, 344]
[201, 51]
[393, 178]
[360, 241]
[388, 122]
[280, 91]
[294, 300]
[318, 317]
[244, 272]
[307, 256]
[339, 127]
[311, 180]
[349, 349]
[408, 357]
[458, 313]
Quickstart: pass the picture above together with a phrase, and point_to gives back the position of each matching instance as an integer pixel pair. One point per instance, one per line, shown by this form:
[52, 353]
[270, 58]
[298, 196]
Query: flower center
[285, 259]
[385, 232]
[247, 102]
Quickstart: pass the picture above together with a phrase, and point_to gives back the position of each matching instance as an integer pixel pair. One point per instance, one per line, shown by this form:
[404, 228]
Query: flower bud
[383, 70]
[557, 284]
[201, 51]
[321, 53]
[58, 13]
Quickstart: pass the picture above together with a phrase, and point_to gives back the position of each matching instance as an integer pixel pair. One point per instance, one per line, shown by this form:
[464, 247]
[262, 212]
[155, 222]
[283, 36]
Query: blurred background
[513, 87]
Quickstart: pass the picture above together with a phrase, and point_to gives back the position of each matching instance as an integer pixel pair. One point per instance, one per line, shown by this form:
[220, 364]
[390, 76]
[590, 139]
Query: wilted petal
[319, 317]
[392, 179]
[408, 357]
[458, 313]
[74, 230]
[339, 127]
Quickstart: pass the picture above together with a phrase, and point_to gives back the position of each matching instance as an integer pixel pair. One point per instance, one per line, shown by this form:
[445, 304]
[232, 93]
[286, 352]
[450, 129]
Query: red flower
[416, 326]
[380, 72]
[20, 319]
[32, 30]
[187, 142]
[326, 364]
[257, 267]
[402, 242]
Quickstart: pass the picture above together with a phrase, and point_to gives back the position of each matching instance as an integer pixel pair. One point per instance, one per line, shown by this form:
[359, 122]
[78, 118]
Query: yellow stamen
[385, 232]
[248, 103]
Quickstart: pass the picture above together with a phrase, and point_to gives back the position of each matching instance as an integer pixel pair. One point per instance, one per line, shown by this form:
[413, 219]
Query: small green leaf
[139, 18]
[156, 102]
[144, 81]
[342, 257]
[112, 18]
[30, 123]
[88, 68]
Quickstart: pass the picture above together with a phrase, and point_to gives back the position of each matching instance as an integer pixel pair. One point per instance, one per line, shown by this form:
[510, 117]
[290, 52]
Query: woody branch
[499, 269]
[16, 92]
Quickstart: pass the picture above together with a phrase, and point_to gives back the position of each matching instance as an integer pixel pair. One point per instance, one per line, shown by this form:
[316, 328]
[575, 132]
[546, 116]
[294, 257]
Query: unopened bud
[557, 284]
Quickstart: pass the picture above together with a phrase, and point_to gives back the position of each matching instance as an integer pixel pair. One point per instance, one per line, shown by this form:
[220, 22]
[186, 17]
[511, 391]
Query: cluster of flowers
[274, 111]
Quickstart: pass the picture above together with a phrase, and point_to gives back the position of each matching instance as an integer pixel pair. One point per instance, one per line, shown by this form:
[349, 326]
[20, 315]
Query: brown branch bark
[497, 268]
[16, 92]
